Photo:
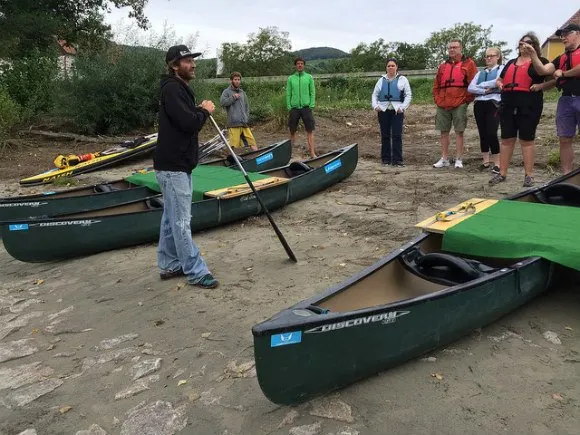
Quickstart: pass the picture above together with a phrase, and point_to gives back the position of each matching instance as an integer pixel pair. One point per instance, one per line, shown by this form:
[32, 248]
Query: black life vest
[517, 77]
[453, 75]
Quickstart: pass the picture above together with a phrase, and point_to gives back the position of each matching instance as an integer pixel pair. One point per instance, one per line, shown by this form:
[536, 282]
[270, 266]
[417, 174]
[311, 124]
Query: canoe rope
[447, 216]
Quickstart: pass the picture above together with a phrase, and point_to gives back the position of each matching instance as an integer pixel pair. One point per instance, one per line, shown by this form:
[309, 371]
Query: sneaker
[458, 164]
[386, 163]
[399, 165]
[483, 167]
[168, 274]
[442, 163]
[495, 170]
[496, 179]
[528, 181]
[206, 281]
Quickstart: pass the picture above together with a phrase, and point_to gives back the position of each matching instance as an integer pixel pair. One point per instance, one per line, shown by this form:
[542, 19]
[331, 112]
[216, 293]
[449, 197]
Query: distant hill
[320, 53]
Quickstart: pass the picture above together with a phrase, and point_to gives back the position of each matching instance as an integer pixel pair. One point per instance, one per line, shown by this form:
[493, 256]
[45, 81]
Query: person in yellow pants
[235, 101]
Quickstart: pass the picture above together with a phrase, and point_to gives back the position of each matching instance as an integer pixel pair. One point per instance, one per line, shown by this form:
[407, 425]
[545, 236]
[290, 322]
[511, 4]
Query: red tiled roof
[573, 19]
[69, 49]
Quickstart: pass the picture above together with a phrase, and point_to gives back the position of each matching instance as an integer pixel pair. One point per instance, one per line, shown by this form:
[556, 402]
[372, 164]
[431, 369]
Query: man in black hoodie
[176, 155]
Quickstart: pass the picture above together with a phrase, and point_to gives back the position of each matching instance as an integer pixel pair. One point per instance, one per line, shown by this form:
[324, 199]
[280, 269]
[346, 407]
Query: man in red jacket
[451, 97]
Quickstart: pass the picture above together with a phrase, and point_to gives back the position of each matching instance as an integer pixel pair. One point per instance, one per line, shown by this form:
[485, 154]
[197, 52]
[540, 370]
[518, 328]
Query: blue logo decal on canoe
[286, 338]
[265, 158]
[18, 227]
[48, 193]
[333, 166]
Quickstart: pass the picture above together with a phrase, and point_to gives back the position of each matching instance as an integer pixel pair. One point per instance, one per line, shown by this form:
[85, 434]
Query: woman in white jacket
[486, 106]
[391, 97]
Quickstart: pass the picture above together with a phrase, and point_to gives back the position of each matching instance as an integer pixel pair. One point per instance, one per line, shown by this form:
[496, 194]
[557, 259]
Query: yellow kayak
[71, 165]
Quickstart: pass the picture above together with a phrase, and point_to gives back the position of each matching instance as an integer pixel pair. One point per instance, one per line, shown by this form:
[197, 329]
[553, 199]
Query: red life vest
[453, 75]
[516, 77]
[568, 61]
[574, 57]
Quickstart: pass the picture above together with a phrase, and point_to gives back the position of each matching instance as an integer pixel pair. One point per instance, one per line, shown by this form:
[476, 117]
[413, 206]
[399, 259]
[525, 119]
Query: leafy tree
[475, 40]
[370, 57]
[266, 52]
[33, 25]
[411, 56]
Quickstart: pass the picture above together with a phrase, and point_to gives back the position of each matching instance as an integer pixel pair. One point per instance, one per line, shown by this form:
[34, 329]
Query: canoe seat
[231, 161]
[444, 268]
[104, 188]
[154, 203]
[297, 168]
[559, 194]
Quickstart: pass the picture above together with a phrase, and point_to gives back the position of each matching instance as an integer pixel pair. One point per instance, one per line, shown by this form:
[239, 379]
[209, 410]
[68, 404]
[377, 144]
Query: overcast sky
[344, 23]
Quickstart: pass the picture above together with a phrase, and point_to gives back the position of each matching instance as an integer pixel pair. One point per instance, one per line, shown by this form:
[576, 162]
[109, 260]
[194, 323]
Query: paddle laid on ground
[235, 157]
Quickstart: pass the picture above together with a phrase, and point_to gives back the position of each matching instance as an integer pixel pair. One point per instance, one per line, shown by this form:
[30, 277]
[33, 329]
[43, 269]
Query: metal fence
[418, 73]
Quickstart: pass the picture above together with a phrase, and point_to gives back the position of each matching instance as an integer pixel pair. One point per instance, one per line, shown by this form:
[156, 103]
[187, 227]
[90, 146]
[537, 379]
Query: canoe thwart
[444, 220]
[244, 189]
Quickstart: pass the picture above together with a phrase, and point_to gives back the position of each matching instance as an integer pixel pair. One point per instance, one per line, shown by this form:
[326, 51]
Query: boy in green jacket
[300, 100]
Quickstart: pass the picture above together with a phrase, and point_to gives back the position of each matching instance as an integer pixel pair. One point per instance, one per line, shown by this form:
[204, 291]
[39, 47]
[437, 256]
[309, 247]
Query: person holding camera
[522, 102]
[391, 97]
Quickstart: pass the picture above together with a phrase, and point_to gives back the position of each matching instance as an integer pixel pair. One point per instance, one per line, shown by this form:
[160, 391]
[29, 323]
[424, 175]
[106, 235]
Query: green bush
[113, 92]
[10, 113]
[554, 158]
[30, 82]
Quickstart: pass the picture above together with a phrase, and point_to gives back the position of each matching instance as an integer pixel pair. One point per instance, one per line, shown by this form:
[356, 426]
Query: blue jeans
[176, 247]
[391, 124]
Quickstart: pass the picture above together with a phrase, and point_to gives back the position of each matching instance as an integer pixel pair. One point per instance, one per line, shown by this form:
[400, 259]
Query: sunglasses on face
[527, 41]
[489, 56]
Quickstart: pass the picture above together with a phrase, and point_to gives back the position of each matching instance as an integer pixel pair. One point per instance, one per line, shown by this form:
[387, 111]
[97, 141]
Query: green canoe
[48, 239]
[121, 191]
[414, 300]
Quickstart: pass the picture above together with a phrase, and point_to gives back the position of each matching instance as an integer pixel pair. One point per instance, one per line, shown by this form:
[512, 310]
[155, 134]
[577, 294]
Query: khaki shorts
[457, 116]
[241, 136]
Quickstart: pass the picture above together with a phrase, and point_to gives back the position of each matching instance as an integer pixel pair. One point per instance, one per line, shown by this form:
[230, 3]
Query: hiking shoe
[458, 164]
[528, 181]
[496, 179]
[206, 281]
[168, 274]
[495, 170]
[441, 163]
[483, 167]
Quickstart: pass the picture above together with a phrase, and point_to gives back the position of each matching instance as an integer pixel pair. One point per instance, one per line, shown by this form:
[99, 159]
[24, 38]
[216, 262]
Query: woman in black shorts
[522, 101]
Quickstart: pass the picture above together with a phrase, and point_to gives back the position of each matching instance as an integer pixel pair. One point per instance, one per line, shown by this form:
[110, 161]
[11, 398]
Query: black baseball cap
[567, 29]
[179, 52]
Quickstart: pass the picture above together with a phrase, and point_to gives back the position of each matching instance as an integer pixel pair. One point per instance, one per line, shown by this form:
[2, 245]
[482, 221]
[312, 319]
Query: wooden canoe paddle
[239, 164]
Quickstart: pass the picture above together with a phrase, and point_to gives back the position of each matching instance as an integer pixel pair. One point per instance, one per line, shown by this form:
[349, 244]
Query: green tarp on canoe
[204, 179]
[512, 229]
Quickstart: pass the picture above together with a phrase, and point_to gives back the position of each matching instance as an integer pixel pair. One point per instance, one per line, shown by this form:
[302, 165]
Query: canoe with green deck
[121, 191]
[418, 298]
[138, 222]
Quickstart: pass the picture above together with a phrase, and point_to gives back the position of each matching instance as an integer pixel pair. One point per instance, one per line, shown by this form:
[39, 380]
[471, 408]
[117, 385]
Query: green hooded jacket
[300, 91]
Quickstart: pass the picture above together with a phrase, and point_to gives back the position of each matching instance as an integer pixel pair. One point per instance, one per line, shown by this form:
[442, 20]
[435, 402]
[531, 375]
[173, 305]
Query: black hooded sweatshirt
[180, 121]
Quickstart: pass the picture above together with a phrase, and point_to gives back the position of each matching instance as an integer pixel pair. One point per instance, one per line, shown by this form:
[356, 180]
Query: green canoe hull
[305, 351]
[299, 357]
[41, 240]
[117, 192]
